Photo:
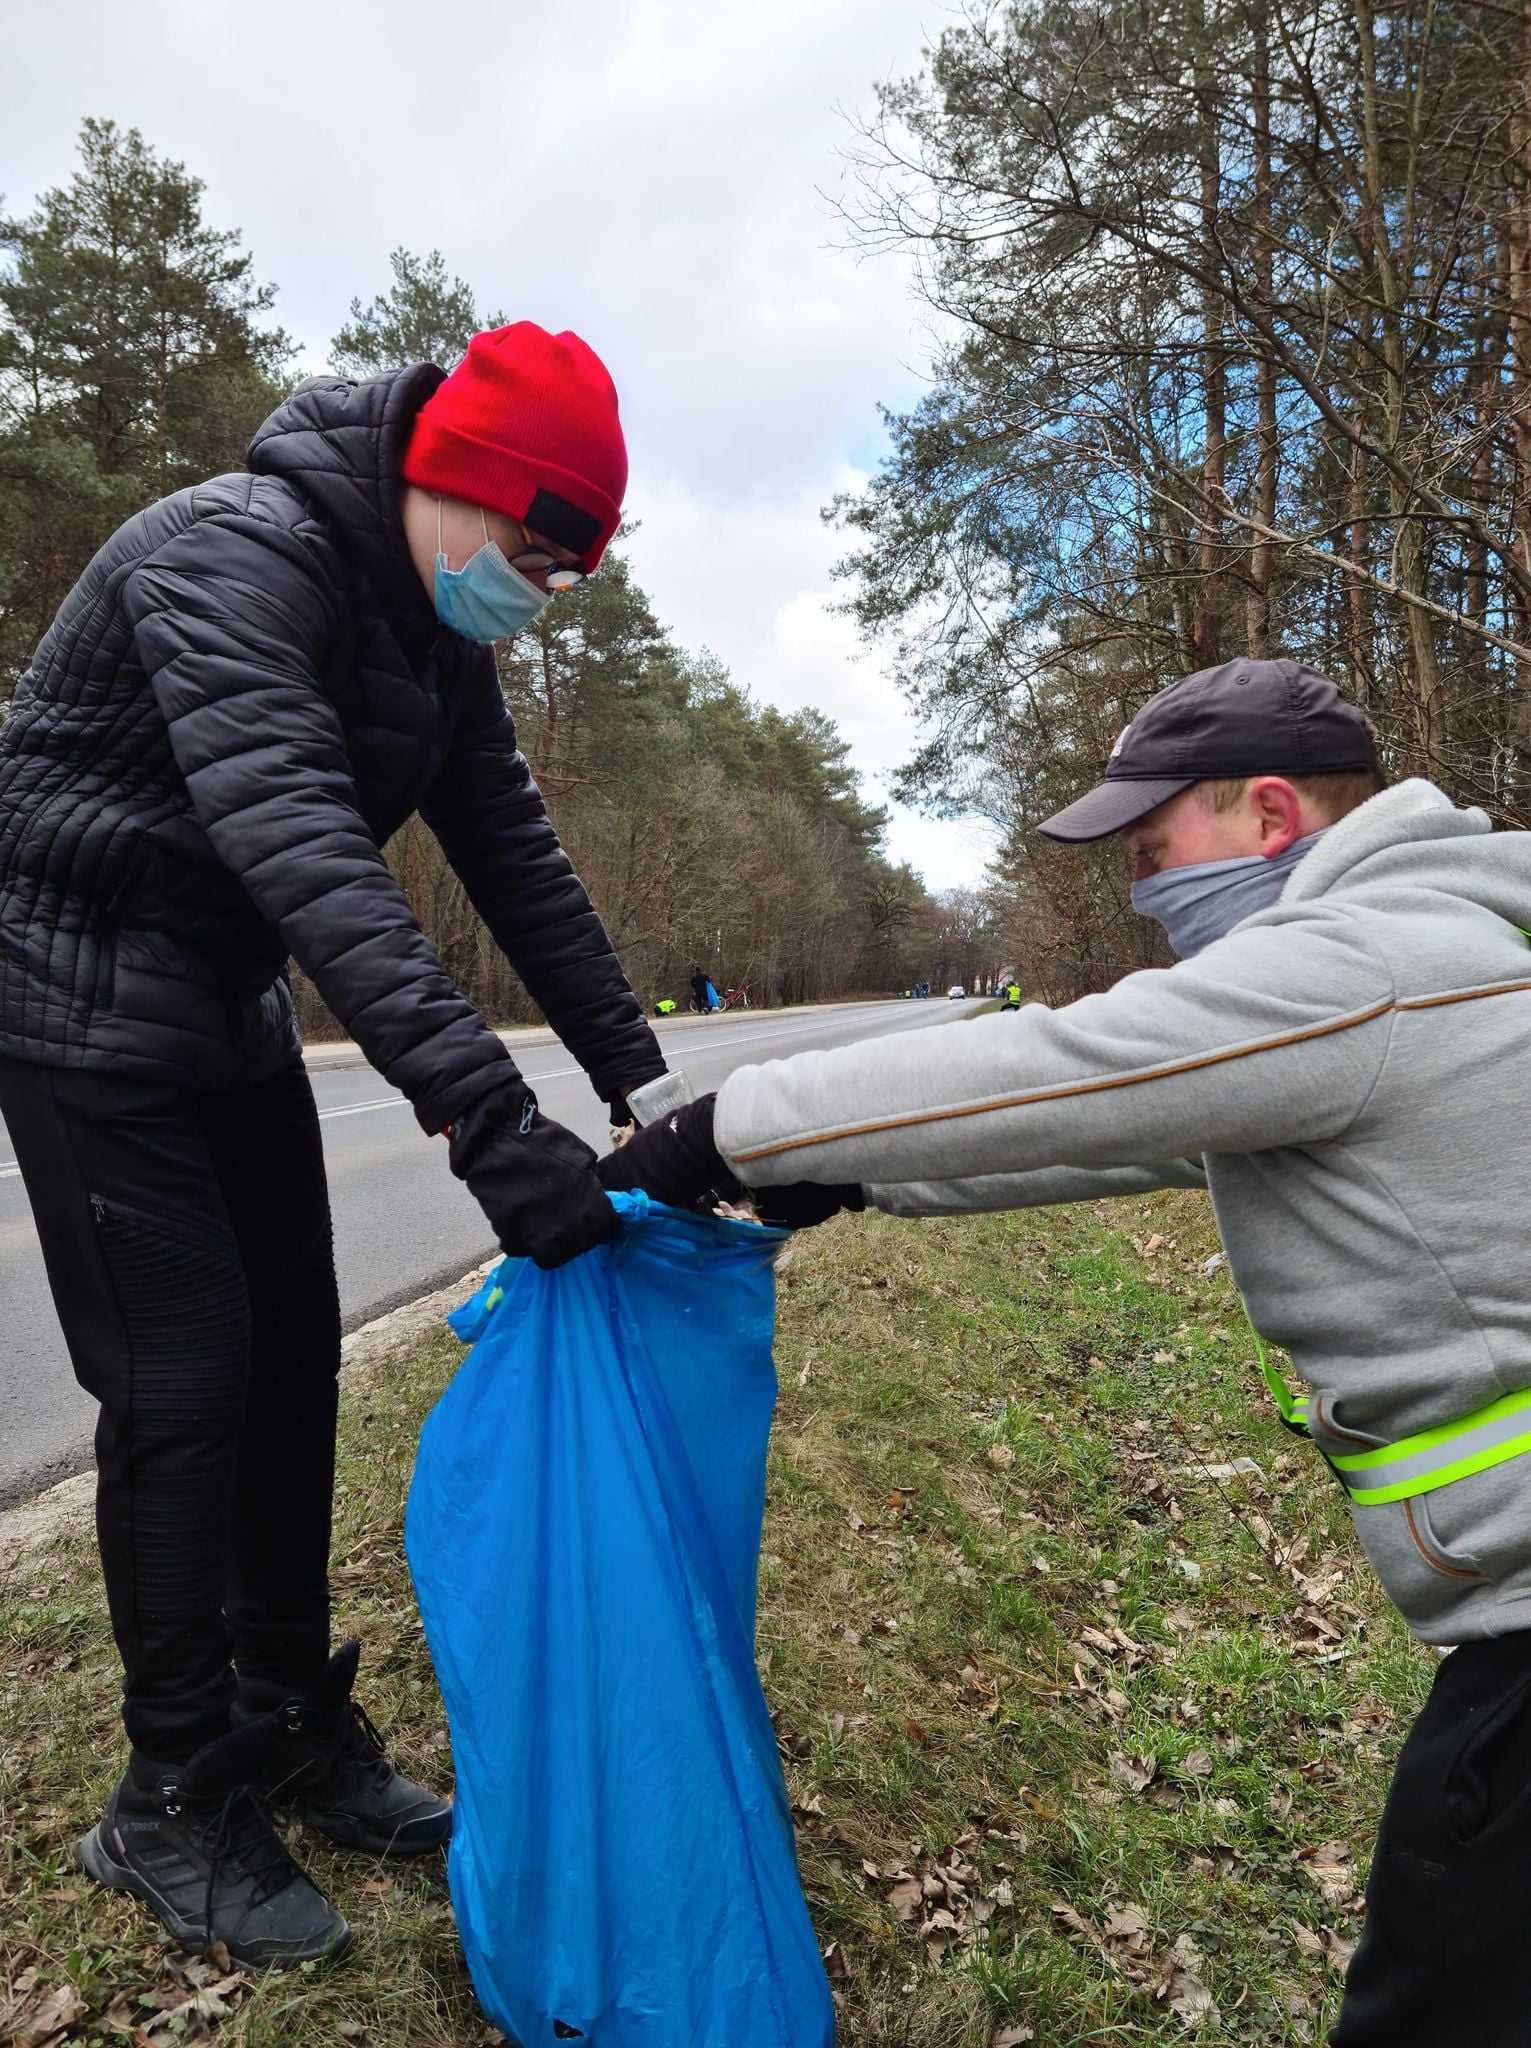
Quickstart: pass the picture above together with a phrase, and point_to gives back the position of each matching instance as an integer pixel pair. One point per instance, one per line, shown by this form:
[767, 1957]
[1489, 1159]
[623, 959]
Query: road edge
[64, 1509]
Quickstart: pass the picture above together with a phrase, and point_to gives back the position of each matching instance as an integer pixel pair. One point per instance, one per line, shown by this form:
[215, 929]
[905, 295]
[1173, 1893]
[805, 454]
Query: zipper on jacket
[106, 969]
[123, 889]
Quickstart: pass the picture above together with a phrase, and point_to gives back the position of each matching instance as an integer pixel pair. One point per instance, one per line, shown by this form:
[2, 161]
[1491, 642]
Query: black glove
[803, 1203]
[672, 1159]
[676, 1161]
[534, 1180]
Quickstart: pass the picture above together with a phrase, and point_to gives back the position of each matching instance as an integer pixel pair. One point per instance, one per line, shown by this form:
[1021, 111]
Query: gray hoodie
[1350, 1072]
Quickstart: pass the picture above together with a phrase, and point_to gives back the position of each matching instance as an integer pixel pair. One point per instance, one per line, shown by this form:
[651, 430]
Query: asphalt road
[403, 1225]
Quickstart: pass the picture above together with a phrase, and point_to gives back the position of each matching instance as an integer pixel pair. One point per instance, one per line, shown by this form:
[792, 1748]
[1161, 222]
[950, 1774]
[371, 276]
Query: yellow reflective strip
[1426, 1482]
[1293, 1412]
[1433, 1439]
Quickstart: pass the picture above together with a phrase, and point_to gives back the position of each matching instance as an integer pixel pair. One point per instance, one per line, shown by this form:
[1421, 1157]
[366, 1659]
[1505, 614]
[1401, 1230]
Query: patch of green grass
[1011, 1629]
[997, 1465]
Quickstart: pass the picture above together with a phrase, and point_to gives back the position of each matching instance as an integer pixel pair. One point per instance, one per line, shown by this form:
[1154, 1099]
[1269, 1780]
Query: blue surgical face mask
[1198, 904]
[486, 599]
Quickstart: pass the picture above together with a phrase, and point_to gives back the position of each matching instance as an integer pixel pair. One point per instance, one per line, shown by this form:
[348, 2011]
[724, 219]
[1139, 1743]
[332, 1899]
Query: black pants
[187, 1240]
[1445, 1961]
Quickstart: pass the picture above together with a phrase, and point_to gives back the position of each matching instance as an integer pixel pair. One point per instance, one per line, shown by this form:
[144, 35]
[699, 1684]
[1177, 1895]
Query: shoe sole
[348, 1833]
[92, 1855]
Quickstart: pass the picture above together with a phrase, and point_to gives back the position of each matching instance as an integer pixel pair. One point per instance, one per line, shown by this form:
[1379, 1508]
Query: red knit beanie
[527, 425]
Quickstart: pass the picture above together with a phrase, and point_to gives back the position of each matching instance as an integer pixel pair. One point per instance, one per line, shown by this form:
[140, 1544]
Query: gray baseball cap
[1240, 718]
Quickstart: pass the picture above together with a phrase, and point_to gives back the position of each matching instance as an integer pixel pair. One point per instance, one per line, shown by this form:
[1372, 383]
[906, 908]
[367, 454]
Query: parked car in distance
[955, 990]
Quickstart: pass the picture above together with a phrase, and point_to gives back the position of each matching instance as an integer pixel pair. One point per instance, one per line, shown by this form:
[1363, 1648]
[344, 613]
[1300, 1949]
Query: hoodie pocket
[1436, 1551]
[1433, 1547]
[1421, 1579]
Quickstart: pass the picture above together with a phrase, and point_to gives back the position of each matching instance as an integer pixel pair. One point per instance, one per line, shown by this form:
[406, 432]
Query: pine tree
[424, 317]
[134, 359]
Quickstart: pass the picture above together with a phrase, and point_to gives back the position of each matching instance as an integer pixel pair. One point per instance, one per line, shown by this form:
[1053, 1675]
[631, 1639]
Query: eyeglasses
[535, 560]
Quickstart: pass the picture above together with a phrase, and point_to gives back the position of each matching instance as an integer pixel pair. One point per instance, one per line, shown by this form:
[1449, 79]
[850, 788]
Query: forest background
[137, 355]
[1232, 356]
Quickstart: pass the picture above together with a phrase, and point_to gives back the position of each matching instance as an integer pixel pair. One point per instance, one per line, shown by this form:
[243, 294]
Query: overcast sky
[650, 174]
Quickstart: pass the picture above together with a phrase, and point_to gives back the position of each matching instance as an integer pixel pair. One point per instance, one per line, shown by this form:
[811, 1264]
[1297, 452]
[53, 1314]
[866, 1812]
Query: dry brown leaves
[38, 2012]
[189, 1997]
[1168, 1977]
[943, 1898]
[1331, 1868]
[836, 1967]
[1133, 1773]
[978, 1690]
[1324, 1943]
[1106, 1652]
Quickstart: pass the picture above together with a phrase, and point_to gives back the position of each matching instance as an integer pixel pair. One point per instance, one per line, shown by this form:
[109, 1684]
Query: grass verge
[1086, 1701]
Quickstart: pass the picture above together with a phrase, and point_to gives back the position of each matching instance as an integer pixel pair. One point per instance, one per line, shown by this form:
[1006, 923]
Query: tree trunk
[1518, 308]
[1259, 623]
[1207, 616]
[1410, 549]
[1358, 597]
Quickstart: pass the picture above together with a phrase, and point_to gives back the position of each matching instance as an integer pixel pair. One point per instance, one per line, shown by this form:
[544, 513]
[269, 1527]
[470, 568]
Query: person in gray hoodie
[1342, 1055]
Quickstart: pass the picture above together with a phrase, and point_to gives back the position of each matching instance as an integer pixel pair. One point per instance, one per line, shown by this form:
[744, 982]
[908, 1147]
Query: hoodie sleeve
[493, 827]
[233, 622]
[1042, 1189]
[1272, 1036]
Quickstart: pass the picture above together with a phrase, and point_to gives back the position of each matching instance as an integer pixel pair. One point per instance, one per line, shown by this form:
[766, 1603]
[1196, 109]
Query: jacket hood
[341, 444]
[1413, 835]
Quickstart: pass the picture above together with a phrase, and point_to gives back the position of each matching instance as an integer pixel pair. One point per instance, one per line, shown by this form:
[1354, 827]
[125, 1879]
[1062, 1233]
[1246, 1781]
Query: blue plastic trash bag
[584, 1533]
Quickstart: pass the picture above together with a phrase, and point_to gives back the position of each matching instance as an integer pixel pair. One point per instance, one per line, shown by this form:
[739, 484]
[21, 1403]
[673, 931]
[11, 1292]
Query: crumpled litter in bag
[584, 1532]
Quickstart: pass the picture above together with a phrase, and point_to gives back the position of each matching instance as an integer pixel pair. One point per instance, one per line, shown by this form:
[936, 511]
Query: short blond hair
[1333, 793]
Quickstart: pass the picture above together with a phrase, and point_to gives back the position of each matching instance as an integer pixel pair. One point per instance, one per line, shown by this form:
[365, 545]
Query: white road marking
[356, 1108]
[560, 1073]
[720, 1041]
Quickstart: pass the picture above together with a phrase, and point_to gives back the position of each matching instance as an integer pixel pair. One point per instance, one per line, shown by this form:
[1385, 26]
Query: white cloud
[649, 173]
[752, 580]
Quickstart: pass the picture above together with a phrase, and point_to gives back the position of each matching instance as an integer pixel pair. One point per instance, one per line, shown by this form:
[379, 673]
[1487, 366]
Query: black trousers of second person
[188, 1247]
[1444, 1961]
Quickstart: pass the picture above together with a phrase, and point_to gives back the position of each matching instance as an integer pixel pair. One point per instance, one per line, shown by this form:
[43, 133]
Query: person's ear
[1278, 813]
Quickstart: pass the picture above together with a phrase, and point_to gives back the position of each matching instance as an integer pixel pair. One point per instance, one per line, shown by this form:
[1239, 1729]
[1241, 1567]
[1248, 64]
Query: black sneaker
[328, 1769]
[197, 1845]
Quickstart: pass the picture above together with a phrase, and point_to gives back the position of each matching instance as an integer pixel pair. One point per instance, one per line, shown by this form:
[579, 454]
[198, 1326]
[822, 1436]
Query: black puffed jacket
[243, 697]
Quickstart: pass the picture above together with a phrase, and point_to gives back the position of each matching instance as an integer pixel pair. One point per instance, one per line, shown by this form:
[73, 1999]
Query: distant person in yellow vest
[1011, 993]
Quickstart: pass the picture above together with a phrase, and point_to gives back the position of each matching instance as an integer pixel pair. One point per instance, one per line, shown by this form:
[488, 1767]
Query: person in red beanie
[250, 688]
[527, 426]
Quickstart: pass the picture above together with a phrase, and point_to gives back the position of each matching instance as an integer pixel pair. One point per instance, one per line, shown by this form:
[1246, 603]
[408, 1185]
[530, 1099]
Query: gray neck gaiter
[1198, 904]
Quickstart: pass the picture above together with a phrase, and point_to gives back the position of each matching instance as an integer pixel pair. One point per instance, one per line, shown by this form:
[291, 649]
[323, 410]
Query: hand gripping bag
[584, 1532]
